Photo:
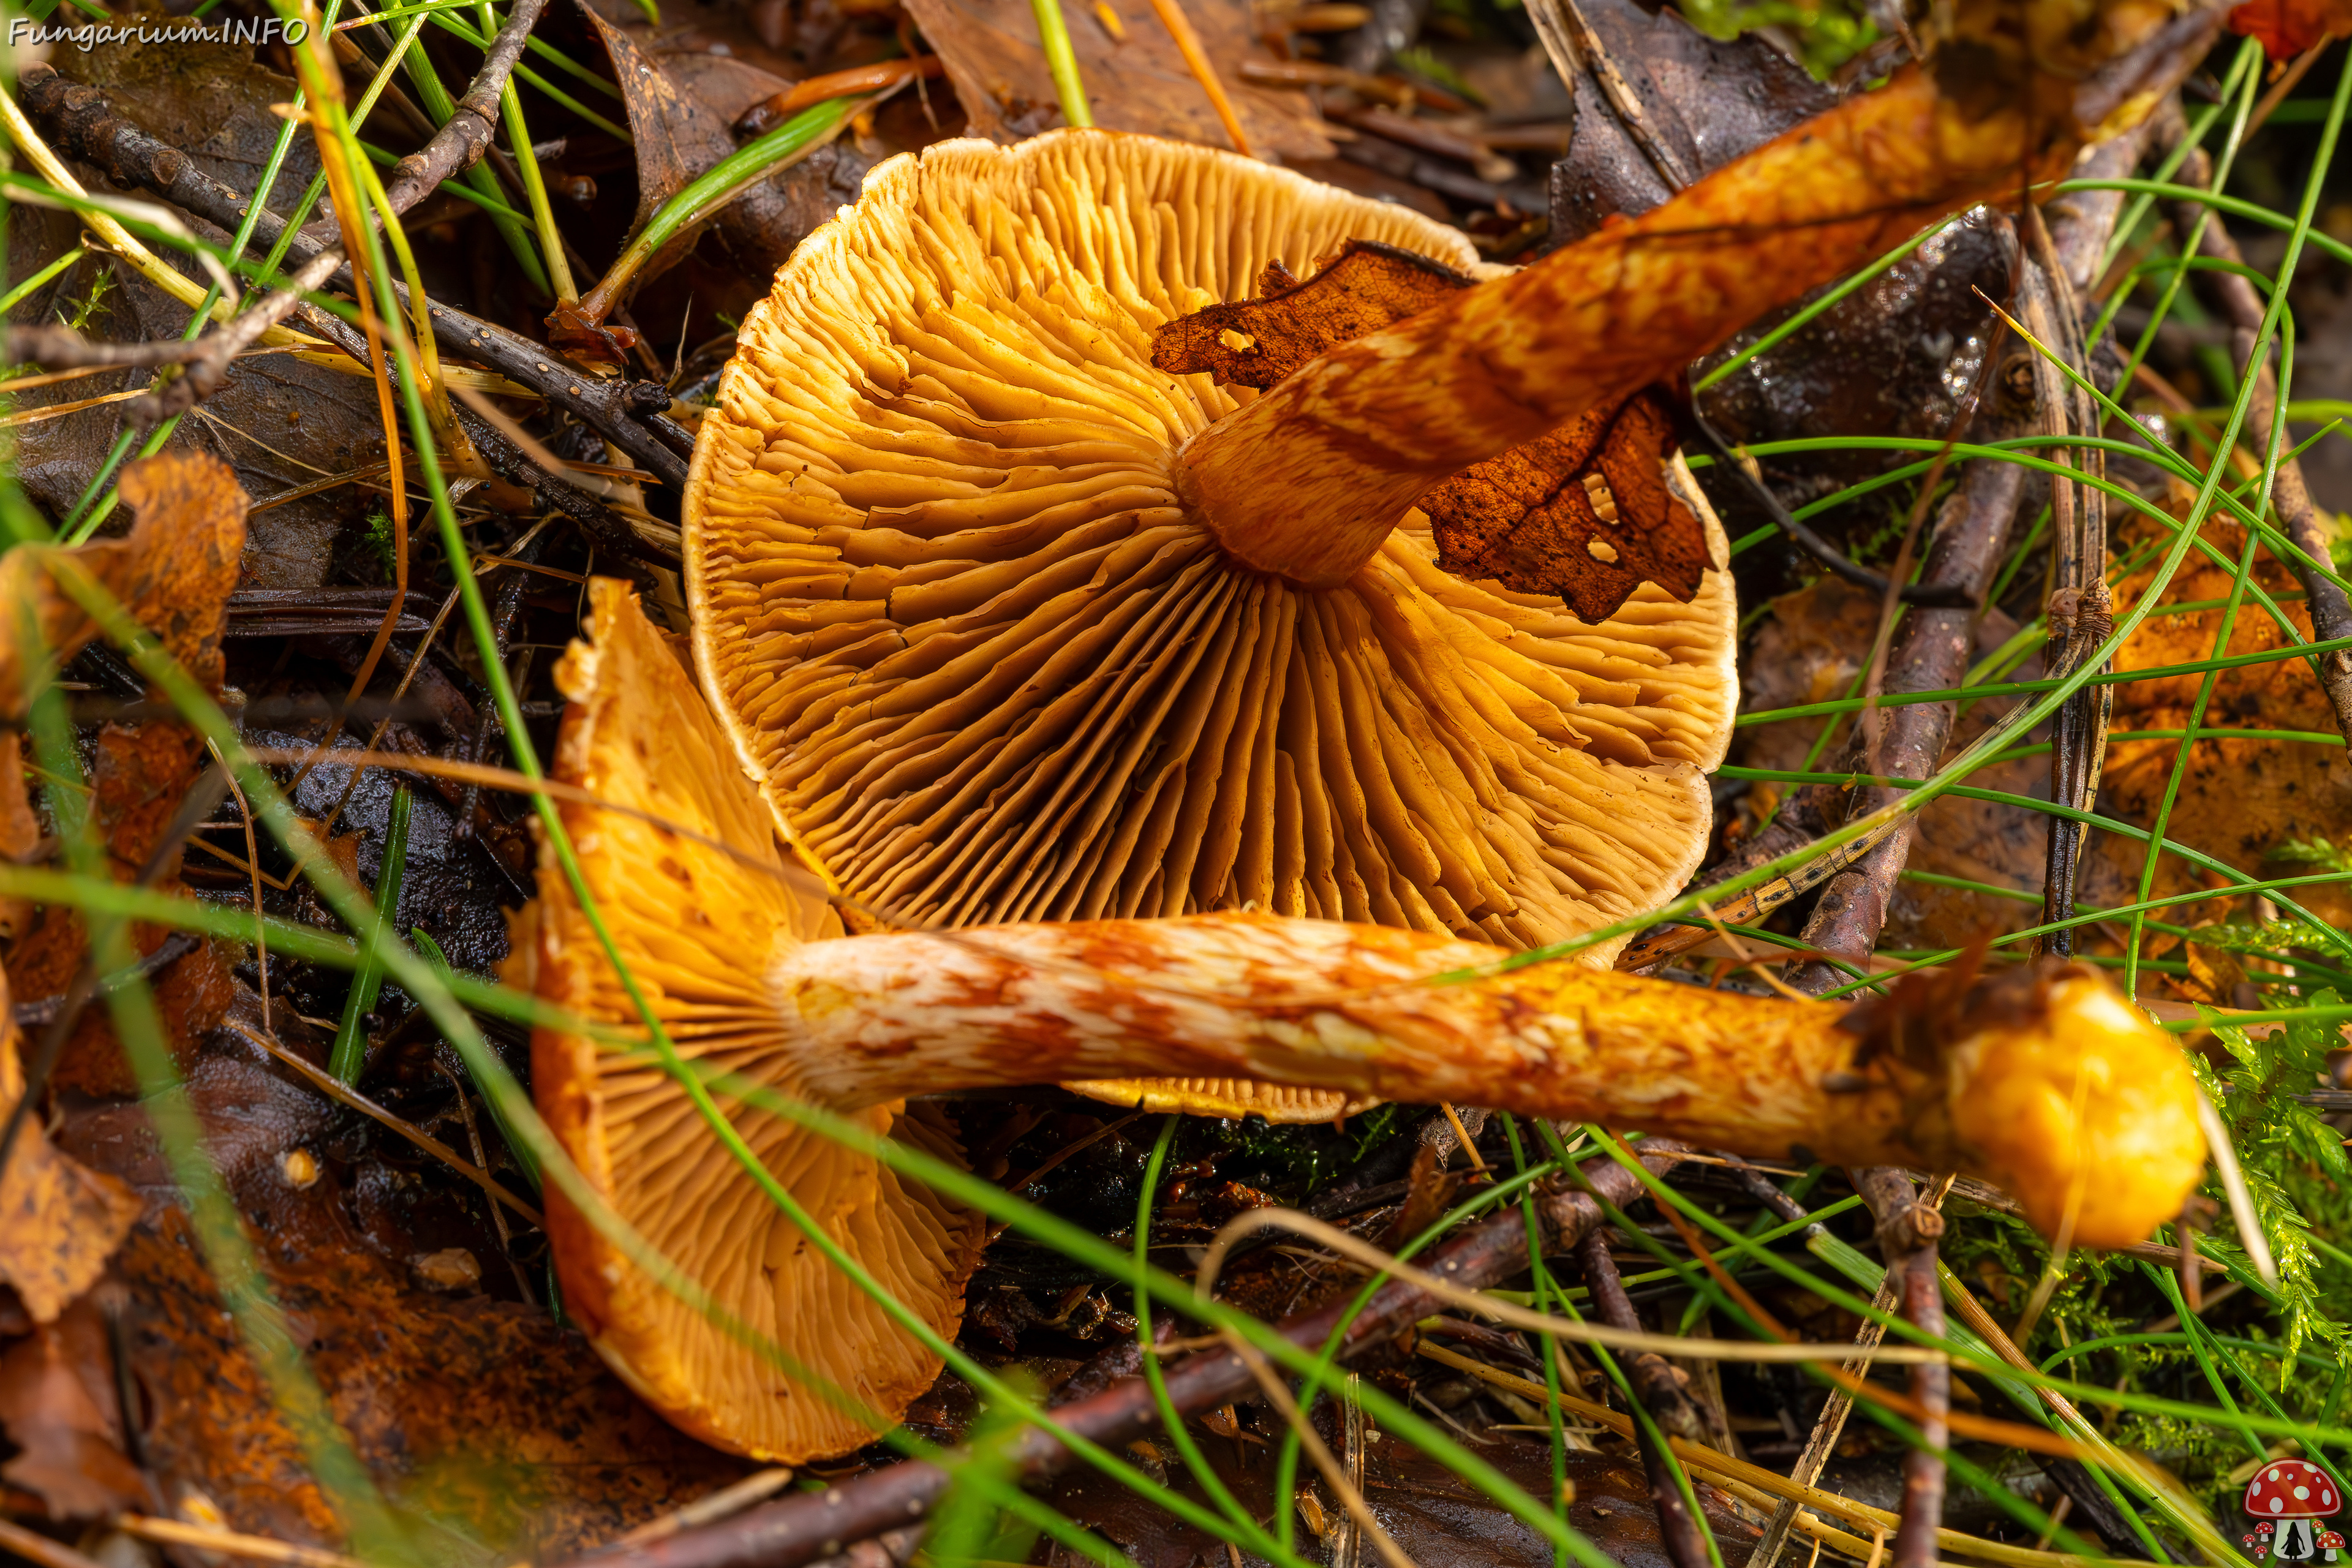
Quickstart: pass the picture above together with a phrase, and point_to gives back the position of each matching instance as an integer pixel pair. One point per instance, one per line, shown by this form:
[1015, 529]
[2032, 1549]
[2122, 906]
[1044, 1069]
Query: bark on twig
[607, 529]
[208, 358]
[80, 123]
[810, 1526]
[459, 145]
[1663, 1392]
[1931, 654]
[1907, 1229]
[2232, 297]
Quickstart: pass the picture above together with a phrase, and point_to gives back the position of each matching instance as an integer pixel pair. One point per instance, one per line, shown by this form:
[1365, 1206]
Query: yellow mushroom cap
[986, 666]
[697, 929]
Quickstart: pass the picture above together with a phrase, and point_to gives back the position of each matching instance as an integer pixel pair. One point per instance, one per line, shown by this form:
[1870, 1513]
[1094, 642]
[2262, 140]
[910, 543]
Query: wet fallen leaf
[680, 107]
[1256, 343]
[2239, 800]
[58, 1222]
[1584, 512]
[1703, 101]
[1139, 82]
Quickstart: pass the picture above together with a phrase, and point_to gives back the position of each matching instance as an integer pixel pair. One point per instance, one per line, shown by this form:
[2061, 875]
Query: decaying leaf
[173, 572]
[58, 1222]
[2287, 27]
[1583, 513]
[1256, 342]
[60, 1411]
[2242, 797]
[492, 1428]
[678, 111]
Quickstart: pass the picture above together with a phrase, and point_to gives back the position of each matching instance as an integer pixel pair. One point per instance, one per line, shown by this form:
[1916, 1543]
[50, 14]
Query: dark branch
[80, 123]
[1908, 1230]
[459, 145]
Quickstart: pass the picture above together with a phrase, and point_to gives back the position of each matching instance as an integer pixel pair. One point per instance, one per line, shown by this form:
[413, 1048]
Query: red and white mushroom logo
[2294, 1494]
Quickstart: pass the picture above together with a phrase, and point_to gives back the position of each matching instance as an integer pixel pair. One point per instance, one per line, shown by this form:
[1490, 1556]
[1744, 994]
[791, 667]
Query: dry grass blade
[1722, 1467]
[2251, 1235]
[1363, 1252]
[232, 1544]
[1319, 1451]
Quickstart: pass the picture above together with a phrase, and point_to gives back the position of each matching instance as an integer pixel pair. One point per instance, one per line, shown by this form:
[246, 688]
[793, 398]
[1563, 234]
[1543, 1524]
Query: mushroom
[2293, 1494]
[2047, 1084]
[1009, 624]
[988, 664]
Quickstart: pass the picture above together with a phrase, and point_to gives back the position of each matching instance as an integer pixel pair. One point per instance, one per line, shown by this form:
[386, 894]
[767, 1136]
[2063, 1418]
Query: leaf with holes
[1365, 287]
[1584, 512]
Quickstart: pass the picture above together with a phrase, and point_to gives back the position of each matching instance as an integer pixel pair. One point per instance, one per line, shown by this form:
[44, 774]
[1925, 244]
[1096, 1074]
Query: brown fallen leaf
[495, 1431]
[679, 110]
[174, 571]
[1365, 287]
[2240, 799]
[180, 557]
[1583, 513]
[1139, 82]
[58, 1408]
[58, 1222]
[20, 832]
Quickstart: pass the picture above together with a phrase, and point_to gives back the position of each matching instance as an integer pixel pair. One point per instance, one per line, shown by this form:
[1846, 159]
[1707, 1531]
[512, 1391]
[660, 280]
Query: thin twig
[1661, 1391]
[1908, 1230]
[36, 1548]
[80, 122]
[459, 145]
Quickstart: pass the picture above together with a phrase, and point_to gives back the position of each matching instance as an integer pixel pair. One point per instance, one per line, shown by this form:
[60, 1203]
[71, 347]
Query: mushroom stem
[1367, 1010]
[1306, 481]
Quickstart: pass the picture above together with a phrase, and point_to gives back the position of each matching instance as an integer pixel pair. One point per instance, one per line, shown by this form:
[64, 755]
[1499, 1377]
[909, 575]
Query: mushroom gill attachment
[988, 664]
[697, 907]
[2045, 1083]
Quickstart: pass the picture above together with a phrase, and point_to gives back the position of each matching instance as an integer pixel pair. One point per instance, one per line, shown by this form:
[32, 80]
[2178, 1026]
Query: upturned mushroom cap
[987, 665]
[697, 929]
[2291, 1489]
[2042, 1081]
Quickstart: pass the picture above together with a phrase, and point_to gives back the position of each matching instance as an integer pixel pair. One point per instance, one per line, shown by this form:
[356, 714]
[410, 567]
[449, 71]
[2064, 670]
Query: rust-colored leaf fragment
[58, 1222]
[173, 572]
[2287, 27]
[1583, 513]
[1366, 286]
